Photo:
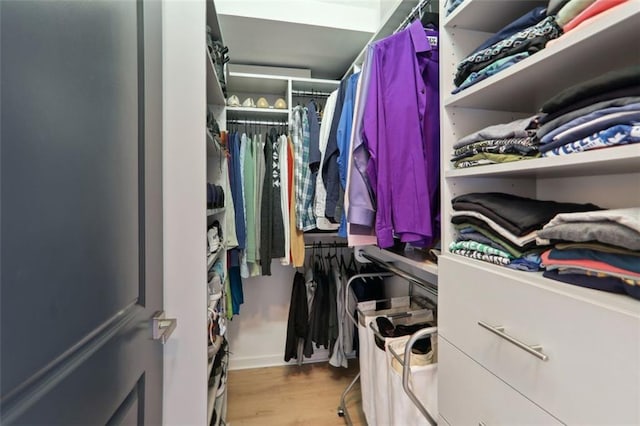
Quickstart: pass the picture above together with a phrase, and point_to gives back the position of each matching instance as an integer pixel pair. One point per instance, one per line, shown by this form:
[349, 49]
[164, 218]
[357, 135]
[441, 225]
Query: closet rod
[416, 10]
[265, 123]
[425, 285]
[326, 245]
[309, 93]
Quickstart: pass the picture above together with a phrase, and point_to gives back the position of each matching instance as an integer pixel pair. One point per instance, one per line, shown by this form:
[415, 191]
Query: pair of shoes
[214, 236]
[212, 123]
[214, 287]
[215, 196]
[248, 103]
[233, 101]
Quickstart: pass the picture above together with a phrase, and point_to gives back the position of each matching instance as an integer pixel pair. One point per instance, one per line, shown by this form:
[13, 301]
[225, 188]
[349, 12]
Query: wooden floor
[292, 395]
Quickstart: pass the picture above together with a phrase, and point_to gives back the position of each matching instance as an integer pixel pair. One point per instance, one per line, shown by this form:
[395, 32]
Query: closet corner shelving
[563, 319]
[216, 160]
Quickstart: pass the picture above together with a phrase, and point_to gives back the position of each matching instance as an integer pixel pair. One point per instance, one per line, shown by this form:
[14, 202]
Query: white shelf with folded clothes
[496, 260]
[219, 209]
[575, 47]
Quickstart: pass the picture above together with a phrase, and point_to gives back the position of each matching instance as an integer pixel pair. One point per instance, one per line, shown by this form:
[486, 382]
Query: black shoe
[385, 327]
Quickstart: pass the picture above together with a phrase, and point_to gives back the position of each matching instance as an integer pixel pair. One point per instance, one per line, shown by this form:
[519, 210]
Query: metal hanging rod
[326, 245]
[425, 285]
[414, 12]
[310, 93]
[258, 122]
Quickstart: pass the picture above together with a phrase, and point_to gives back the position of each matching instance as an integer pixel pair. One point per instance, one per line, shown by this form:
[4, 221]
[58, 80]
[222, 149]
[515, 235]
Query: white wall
[184, 204]
[361, 15]
[257, 336]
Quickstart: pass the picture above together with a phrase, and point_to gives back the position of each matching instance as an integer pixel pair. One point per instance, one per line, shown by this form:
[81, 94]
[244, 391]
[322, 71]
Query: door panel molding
[25, 395]
[142, 271]
[131, 407]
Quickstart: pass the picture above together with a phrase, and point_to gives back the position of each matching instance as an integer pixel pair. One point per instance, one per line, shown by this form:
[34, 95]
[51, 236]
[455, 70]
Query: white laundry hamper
[374, 365]
[423, 380]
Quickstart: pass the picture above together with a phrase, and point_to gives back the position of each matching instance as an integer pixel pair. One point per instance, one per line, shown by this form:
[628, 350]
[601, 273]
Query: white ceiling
[327, 51]
[321, 35]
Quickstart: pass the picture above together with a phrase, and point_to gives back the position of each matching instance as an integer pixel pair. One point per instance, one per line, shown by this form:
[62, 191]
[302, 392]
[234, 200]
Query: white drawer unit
[587, 368]
[470, 395]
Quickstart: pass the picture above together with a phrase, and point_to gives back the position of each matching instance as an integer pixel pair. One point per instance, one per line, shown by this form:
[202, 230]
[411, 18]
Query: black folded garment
[591, 100]
[613, 80]
[518, 215]
[387, 329]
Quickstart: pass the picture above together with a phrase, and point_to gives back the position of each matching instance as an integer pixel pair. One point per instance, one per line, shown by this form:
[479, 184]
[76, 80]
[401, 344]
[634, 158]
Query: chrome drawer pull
[535, 350]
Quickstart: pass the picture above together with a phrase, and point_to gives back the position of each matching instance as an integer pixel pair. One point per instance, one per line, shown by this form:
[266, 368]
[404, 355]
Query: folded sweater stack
[598, 113]
[502, 228]
[598, 249]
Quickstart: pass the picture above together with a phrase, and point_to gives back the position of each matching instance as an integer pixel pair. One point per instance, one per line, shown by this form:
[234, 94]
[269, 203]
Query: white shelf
[214, 90]
[612, 160]
[314, 84]
[483, 15]
[213, 22]
[411, 258]
[393, 19]
[618, 302]
[213, 212]
[211, 258]
[525, 86]
[257, 113]
[240, 82]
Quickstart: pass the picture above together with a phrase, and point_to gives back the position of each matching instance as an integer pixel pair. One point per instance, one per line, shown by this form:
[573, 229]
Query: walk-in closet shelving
[572, 385]
[215, 96]
[572, 52]
[216, 168]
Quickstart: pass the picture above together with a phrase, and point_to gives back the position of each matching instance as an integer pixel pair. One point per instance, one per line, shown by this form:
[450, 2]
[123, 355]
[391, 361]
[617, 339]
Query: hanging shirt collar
[418, 37]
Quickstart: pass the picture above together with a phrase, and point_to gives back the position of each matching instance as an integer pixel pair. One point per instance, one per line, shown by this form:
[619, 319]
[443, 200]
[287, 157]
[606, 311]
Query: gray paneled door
[81, 212]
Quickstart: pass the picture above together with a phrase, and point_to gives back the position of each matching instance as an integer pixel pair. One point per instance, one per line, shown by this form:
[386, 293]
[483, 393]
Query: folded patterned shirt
[621, 134]
[522, 146]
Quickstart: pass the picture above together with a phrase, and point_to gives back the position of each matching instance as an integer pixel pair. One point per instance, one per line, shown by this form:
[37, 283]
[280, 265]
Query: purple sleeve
[374, 136]
[362, 210]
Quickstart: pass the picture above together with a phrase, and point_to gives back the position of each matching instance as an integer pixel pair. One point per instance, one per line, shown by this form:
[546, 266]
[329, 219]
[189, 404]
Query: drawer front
[470, 395]
[592, 374]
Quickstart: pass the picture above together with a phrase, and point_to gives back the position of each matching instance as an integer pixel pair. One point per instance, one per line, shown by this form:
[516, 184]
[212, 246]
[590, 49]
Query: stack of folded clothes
[502, 228]
[573, 13]
[599, 250]
[500, 143]
[513, 43]
[598, 113]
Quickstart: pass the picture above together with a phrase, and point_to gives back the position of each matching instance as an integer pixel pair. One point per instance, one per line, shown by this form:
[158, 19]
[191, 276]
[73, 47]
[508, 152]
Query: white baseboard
[277, 360]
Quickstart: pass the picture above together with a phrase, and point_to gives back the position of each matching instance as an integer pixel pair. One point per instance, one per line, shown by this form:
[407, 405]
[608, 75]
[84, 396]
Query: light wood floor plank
[308, 395]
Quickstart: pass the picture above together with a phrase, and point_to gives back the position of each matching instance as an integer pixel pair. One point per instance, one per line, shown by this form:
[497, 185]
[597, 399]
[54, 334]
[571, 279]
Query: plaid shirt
[305, 188]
